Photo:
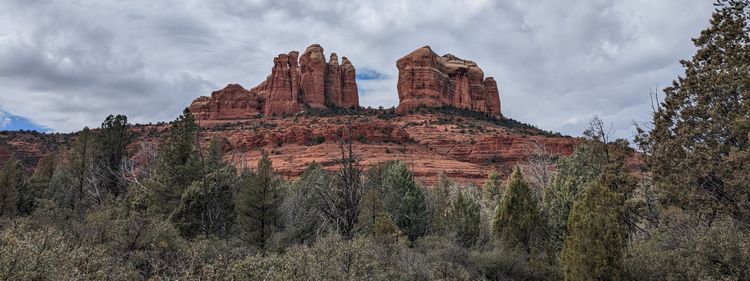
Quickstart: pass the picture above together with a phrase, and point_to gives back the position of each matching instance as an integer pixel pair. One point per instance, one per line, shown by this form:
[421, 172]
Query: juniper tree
[517, 216]
[594, 246]
[492, 189]
[465, 219]
[405, 201]
[698, 147]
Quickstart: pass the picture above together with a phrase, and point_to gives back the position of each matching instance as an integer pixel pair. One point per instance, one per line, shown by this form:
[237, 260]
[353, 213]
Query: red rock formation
[232, 102]
[349, 91]
[313, 69]
[429, 144]
[333, 83]
[426, 79]
[493, 104]
[280, 93]
[296, 82]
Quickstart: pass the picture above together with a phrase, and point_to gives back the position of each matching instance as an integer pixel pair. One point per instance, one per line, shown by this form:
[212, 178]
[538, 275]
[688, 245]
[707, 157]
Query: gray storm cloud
[68, 64]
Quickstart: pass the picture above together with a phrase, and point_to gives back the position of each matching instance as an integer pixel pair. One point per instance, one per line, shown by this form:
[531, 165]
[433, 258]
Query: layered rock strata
[296, 82]
[427, 79]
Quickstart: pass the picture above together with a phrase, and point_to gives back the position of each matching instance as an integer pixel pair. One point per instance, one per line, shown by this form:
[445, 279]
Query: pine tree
[517, 216]
[258, 203]
[594, 245]
[207, 206]
[465, 217]
[178, 162]
[405, 201]
[698, 147]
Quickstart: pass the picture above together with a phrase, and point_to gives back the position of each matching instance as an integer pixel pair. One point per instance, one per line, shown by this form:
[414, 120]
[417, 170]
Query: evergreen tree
[258, 203]
[207, 208]
[466, 217]
[405, 201]
[11, 181]
[440, 200]
[178, 162]
[594, 246]
[698, 147]
[572, 174]
[37, 184]
[113, 140]
[492, 190]
[517, 216]
[82, 184]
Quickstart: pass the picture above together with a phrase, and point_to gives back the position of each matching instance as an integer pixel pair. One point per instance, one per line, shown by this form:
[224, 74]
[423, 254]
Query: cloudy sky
[68, 64]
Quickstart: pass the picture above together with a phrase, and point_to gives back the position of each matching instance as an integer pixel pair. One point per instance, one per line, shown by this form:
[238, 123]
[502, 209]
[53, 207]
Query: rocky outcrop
[232, 102]
[350, 94]
[313, 69]
[426, 79]
[296, 82]
[429, 143]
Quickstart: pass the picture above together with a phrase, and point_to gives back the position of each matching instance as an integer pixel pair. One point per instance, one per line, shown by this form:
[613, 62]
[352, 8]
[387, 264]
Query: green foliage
[594, 246]
[405, 201]
[207, 207]
[683, 248]
[572, 174]
[258, 202]
[502, 262]
[492, 189]
[37, 185]
[440, 202]
[112, 141]
[517, 217]
[11, 184]
[699, 146]
[178, 162]
[385, 229]
[465, 217]
[80, 175]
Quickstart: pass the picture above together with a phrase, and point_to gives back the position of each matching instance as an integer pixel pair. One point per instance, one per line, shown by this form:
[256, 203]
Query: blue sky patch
[15, 123]
[369, 74]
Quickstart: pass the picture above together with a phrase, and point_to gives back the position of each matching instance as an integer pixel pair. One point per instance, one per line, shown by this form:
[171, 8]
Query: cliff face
[296, 82]
[426, 79]
[463, 148]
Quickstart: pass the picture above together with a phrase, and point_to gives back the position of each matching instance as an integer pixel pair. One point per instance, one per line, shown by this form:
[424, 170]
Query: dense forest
[101, 209]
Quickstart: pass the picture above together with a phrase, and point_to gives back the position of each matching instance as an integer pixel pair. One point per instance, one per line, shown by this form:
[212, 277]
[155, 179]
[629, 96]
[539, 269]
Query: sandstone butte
[431, 141]
[295, 83]
[426, 79]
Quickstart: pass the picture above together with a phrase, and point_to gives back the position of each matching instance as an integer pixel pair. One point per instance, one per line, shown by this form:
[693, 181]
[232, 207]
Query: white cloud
[66, 65]
[4, 120]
